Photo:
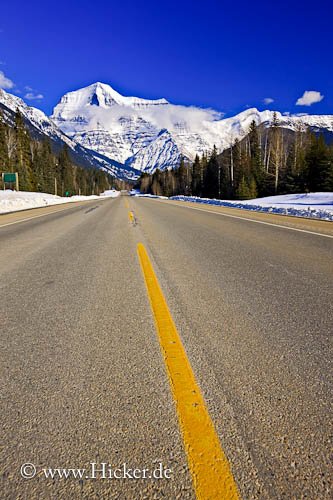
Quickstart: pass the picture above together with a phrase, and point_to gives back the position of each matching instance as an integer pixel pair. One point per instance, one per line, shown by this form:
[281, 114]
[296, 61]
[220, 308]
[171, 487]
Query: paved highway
[84, 381]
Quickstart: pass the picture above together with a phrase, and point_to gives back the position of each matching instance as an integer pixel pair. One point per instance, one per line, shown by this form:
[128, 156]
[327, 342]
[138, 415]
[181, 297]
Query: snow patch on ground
[310, 205]
[110, 193]
[150, 196]
[12, 201]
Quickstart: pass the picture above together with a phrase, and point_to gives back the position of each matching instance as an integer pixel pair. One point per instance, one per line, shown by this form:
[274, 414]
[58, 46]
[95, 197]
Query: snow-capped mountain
[115, 126]
[130, 135]
[101, 94]
[149, 134]
[40, 126]
[162, 152]
[35, 116]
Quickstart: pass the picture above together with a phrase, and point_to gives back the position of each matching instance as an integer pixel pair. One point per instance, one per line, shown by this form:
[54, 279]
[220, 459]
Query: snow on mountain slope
[162, 153]
[99, 94]
[119, 140]
[40, 126]
[100, 118]
[121, 128]
[126, 135]
[149, 134]
[35, 116]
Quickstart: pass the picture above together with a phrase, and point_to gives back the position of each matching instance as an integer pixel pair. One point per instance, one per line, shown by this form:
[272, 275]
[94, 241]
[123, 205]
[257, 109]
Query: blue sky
[222, 54]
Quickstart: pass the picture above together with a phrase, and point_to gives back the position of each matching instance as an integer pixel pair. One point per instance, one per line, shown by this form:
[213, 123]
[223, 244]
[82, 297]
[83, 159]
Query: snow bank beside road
[310, 205]
[11, 201]
[149, 196]
[111, 193]
[304, 199]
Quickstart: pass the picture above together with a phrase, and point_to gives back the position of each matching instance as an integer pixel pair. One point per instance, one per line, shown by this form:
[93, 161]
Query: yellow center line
[127, 204]
[131, 216]
[210, 470]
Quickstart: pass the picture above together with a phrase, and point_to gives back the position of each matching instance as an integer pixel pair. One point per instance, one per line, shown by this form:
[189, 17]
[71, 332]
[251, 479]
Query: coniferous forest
[268, 161]
[41, 169]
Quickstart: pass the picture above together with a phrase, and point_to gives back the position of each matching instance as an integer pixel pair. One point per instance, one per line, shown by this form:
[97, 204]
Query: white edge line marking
[35, 216]
[251, 220]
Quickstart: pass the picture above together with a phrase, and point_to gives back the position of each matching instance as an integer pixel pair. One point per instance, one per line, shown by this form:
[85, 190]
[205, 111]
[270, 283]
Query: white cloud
[170, 116]
[5, 83]
[31, 96]
[309, 97]
[268, 100]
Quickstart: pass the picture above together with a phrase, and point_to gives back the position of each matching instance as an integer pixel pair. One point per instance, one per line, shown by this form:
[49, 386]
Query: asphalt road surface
[83, 377]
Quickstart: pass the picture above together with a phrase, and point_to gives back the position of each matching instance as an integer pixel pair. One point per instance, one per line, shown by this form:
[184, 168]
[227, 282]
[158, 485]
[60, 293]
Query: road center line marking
[131, 217]
[210, 470]
[251, 220]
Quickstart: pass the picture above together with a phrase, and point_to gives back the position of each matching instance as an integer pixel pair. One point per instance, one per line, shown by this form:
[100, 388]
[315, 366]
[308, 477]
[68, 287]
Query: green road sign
[9, 177]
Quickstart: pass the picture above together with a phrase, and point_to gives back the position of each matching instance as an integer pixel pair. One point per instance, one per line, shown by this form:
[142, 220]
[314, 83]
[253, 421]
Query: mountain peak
[148, 134]
[102, 95]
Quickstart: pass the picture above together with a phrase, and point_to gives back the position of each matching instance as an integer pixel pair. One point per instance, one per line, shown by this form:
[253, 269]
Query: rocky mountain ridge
[149, 134]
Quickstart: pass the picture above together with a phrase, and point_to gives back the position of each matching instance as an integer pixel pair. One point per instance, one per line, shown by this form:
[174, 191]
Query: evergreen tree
[235, 158]
[296, 162]
[4, 157]
[319, 166]
[156, 186]
[197, 177]
[182, 176]
[49, 166]
[243, 191]
[170, 183]
[145, 183]
[66, 173]
[22, 160]
[256, 166]
[212, 183]
[43, 168]
[253, 191]
[38, 167]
